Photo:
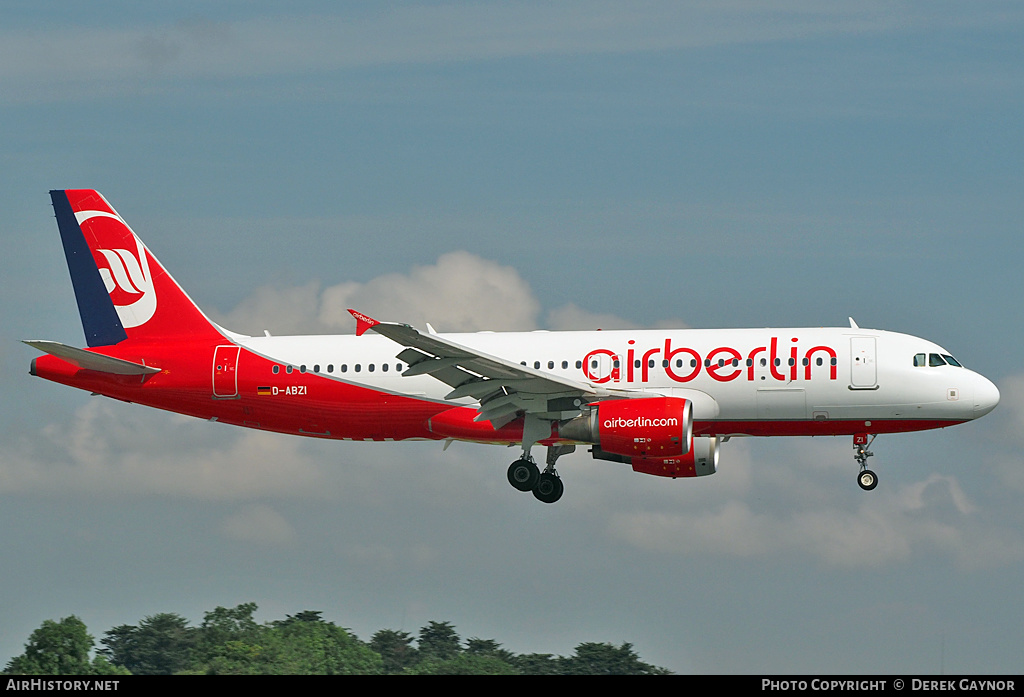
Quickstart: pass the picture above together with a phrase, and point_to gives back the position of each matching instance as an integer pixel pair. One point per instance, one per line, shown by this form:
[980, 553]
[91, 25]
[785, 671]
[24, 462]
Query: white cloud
[570, 317]
[461, 292]
[786, 512]
[112, 449]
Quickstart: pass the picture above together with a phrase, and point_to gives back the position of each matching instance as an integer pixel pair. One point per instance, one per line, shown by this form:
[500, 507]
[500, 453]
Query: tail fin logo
[124, 270]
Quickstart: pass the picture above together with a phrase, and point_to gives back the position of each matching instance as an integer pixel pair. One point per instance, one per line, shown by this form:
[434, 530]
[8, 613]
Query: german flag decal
[264, 391]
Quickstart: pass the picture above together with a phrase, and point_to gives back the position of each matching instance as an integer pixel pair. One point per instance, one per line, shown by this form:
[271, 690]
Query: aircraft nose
[986, 396]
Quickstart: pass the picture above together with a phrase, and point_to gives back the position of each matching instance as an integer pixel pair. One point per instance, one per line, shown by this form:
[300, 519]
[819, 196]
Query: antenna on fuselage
[853, 325]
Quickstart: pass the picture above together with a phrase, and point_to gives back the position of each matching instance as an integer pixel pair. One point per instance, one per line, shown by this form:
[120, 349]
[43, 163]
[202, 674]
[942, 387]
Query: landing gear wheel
[523, 475]
[549, 488]
[867, 480]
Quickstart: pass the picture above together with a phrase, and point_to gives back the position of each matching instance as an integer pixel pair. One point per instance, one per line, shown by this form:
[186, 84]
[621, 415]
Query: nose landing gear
[867, 480]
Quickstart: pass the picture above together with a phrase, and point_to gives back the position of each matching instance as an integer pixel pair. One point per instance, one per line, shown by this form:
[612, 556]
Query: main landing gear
[524, 475]
[867, 480]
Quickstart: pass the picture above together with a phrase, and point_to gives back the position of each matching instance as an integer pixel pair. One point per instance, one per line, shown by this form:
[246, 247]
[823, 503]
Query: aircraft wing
[503, 387]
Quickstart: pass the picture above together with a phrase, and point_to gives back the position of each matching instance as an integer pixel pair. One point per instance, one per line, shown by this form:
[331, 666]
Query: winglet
[362, 322]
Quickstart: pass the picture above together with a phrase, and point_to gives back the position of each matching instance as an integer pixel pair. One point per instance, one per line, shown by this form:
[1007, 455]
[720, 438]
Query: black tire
[549, 488]
[867, 480]
[523, 475]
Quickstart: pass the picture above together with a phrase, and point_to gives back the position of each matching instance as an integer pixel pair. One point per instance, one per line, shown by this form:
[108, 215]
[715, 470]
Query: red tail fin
[123, 292]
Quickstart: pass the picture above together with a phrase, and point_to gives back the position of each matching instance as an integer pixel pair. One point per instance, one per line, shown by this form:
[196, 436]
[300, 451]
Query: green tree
[538, 664]
[465, 664]
[593, 658]
[307, 645]
[161, 644]
[231, 642]
[60, 648]
[488, 647]
[395, 649]
[439, 642]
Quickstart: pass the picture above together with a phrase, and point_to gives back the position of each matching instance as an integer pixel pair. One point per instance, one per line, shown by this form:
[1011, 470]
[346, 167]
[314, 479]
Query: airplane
[661, 401]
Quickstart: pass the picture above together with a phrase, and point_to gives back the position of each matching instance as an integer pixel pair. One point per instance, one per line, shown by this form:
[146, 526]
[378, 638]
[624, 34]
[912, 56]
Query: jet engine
[701, 461]
[645, 428]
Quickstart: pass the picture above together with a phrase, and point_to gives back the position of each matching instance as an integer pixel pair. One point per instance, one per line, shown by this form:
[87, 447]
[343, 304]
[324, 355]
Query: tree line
[230, 642]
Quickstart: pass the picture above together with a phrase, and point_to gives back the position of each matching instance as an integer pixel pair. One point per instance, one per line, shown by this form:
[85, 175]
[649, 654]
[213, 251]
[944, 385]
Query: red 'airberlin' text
[724, 363]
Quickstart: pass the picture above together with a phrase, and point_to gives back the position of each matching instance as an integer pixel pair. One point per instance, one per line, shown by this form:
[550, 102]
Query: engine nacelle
[701, 461]
[652, 427]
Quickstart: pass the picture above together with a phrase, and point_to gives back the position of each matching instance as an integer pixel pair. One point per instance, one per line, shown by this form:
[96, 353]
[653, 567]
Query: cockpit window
[935, 360]
[952, 361]
[919, 360]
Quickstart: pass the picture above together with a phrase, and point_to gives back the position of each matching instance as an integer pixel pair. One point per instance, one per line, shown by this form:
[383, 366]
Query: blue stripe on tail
[99, 318]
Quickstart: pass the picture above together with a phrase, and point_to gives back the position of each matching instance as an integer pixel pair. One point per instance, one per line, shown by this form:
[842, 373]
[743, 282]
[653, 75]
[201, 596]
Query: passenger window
[565, 364]
[277, 369]
[330, 367]
[344, 367]
[288, 370]
[551, 365]
[316, 368]
[370, 368]
[384, 367]
[358, 367]
[579, 364]
[919, 360]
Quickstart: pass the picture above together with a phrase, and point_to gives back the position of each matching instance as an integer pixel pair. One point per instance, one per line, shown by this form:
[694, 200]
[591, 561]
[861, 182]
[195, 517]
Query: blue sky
[527, 166]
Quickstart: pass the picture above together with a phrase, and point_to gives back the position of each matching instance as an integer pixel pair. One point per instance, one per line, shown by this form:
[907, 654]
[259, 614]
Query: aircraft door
[863, 371]
[225, 372]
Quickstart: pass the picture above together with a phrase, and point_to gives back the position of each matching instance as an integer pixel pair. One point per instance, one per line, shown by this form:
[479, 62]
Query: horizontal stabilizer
[88, 360]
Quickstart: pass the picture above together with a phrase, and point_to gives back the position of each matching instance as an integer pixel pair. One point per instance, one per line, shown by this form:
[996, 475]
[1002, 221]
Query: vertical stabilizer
[123, 292]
